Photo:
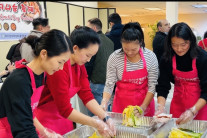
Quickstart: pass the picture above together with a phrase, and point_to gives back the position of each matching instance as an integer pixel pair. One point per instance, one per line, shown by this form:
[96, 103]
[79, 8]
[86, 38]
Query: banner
[16, 18]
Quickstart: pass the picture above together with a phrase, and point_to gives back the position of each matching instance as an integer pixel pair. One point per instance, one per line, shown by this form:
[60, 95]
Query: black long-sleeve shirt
[184, 63]
[15, 103]
[158, 44]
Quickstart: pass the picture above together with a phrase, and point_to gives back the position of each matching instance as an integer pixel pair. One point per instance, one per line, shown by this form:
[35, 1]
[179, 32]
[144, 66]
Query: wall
[144, 21]
[196, 21]
[59, 20]
[4, 48]
[86, 4]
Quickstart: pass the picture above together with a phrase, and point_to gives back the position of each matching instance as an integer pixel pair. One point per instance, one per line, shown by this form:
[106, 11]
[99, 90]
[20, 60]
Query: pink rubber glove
[103, 128]
[160, 109]
[187, 116]
[48, 133]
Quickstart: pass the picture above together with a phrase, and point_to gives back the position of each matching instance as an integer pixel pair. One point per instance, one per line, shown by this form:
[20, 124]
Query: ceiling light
[153, 9]
[199, 6]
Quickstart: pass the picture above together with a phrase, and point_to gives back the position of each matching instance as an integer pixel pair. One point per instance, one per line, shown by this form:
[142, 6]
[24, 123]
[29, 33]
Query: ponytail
[33, 42]
[54, 41]
[132, 32]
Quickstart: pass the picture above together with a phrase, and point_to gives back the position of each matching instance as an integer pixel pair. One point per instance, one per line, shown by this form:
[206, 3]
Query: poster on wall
[16, 18]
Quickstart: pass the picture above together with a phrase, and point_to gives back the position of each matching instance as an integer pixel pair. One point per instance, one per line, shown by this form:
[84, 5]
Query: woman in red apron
[21, 91]
[184, 64]
[55, 110]
[203, 43]
[133, 65]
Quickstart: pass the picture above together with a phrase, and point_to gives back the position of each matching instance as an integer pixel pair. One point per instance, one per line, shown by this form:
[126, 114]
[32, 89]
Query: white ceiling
[132, 8]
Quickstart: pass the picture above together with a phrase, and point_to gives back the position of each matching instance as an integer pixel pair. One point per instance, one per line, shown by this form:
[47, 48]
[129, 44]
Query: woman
[22, 89]
[134, 69]
[203, 43]
[184, 64]
[55, 110]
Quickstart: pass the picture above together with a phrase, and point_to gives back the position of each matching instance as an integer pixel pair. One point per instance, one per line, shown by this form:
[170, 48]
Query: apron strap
[194, 64]
[44, 80]
[174, 62]
[142, 57]
[20, 64]
[203, 44]
[71, 75]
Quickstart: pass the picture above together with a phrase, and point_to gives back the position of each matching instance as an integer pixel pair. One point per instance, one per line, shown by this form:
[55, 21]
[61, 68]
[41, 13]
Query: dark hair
[83, 36]
[39, 21]
[131, 32]
[180, 30]
[77, 26]
[159, 24]
[114, 18]
[205, 35]
[54, 41]
[96, 22]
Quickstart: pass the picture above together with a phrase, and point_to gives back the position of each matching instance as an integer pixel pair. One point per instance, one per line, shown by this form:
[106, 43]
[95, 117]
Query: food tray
[147, 122]
[117, 117]
[148, 127]
[196, 125]
[80, 132]
[121, 132]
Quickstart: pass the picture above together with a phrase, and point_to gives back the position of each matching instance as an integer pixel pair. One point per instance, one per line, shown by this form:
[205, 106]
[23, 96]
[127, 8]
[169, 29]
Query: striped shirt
[115, 67]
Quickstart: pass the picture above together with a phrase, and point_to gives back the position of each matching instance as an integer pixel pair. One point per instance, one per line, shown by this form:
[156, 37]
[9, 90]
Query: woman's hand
[48, 133]
[138, 113]
[160, 109]
[111, 126]
[103, 128]
[187, 116]
[11, 67]
[4, 72]
[104, 104]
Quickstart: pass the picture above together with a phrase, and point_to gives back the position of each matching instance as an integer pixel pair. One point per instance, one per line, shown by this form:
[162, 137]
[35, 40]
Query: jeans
[97, 91]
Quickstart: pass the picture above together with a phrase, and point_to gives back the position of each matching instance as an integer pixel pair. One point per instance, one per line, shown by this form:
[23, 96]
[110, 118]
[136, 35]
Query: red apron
[5, 129]
[186, 91]
[132, 89]
[48, 114]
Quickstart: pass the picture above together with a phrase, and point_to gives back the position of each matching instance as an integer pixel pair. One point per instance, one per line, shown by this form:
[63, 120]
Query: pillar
[172, 12]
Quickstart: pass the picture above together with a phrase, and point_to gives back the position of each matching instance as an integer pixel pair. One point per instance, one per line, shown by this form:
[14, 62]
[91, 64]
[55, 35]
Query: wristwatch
[106, 118]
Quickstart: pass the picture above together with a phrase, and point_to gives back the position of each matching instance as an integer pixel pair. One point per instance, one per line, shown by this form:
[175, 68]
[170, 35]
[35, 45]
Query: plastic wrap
[147, 127]
[196, 126]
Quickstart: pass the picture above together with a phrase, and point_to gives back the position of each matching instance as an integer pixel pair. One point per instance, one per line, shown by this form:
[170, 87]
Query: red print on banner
[30, 9]
[1, 6]
[8, 7]
[15, 8]
[23, 7]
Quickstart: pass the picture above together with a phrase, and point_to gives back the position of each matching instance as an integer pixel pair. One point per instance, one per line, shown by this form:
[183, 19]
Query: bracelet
[192, 110]
[106, 118]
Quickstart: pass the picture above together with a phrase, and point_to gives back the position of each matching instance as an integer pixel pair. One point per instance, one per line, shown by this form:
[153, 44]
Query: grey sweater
[26, 50]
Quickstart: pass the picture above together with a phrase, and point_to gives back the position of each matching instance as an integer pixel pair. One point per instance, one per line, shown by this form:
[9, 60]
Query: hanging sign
[16, 18]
